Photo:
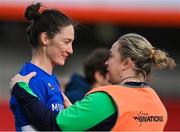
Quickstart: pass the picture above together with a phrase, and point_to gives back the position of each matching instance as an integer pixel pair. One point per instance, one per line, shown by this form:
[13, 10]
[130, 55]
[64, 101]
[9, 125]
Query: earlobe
[44, 38]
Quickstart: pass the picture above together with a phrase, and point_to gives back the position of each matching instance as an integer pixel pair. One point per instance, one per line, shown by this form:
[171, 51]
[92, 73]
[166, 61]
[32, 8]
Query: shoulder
[39, 87]
[54, 77]
[100, 99]
[26, 68]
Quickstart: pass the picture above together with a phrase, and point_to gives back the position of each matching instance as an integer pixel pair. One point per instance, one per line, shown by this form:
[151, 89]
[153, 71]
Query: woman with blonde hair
[128, 104]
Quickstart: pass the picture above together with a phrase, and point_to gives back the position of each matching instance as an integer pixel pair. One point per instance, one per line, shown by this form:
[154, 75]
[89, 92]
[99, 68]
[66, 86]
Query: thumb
[30, 75]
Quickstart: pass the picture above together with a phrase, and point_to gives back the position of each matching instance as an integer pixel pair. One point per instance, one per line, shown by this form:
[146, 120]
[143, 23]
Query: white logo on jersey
[51, 87]
[57, 107]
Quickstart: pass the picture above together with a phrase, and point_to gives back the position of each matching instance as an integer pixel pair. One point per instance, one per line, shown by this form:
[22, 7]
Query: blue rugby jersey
[46, 87]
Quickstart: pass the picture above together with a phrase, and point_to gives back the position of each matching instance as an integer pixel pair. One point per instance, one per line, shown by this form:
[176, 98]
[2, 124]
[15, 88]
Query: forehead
[66, 32]
[115, 47]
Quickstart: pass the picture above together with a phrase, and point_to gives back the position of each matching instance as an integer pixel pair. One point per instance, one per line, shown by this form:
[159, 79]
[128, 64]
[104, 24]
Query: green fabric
[86, 113]
[26, 87]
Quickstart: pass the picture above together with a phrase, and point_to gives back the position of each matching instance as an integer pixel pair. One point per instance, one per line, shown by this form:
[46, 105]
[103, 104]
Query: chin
[61, 63]
[110, 80]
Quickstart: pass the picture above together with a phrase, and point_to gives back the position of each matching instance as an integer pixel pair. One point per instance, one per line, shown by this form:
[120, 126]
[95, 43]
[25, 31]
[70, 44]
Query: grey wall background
[14, 51]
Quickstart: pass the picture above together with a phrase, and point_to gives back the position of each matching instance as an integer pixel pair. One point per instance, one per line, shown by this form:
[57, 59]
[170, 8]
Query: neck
[40, 59]
[131, 79]
[96, 85]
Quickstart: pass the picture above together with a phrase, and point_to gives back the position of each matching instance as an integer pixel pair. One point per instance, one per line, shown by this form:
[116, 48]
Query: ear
[98, 77]
[127, 63]
[44, 40]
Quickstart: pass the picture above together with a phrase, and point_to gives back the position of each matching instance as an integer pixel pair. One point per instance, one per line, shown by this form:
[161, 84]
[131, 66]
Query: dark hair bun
[32, 12]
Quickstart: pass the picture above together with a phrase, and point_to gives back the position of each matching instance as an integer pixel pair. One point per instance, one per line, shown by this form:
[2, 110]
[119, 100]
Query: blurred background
[101, 23]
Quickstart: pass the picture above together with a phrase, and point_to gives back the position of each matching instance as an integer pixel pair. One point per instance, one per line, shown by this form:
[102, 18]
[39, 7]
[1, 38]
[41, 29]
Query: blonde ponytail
[162, 60]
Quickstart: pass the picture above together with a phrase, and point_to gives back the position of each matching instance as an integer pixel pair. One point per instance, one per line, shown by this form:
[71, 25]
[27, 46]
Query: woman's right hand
[18, 78]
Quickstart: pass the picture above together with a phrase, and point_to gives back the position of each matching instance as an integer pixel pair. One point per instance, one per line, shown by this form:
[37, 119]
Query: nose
[106, 63]
[70, 49]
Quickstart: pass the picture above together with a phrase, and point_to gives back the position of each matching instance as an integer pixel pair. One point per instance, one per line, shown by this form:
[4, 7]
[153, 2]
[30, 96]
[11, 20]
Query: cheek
[112, 68]
[112, 64]
[59, 50]
[53, 53]
[115, 68]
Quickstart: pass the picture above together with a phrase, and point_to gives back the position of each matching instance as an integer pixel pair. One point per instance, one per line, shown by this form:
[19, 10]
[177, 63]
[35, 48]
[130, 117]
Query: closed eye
[67, 41]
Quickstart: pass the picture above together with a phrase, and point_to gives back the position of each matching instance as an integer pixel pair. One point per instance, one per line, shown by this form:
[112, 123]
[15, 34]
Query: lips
[65, 57]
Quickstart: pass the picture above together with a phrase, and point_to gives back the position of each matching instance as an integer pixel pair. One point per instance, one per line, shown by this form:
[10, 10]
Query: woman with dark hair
[50, 34]
[129, 104]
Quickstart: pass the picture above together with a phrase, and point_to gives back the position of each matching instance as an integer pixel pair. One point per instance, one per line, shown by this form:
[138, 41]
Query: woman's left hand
[67, 102]
[19, 78]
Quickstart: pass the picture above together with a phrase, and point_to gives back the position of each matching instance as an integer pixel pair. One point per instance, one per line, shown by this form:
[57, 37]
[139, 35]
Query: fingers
[64, 96]
[67, 102]
[11, 84]
[19, 78]
[14, 80]
[30, 75]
